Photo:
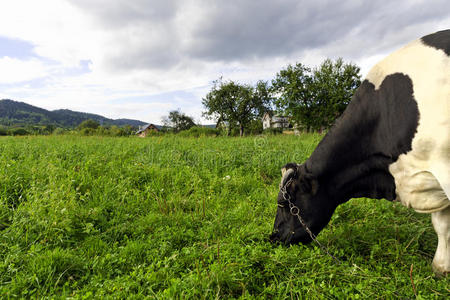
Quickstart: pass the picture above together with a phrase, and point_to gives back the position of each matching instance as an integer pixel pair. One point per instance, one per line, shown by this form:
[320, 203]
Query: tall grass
[180, 217]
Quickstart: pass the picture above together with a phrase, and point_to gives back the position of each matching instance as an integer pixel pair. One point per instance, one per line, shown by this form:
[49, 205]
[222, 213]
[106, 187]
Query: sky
[140, 59]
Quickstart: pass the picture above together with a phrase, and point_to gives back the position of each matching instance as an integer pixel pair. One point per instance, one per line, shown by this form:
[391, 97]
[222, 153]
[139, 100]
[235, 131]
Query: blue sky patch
[82, 68]
[16, 48]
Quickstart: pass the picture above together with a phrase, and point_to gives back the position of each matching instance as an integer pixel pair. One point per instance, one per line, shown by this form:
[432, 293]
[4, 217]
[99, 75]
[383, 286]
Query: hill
[14, 113]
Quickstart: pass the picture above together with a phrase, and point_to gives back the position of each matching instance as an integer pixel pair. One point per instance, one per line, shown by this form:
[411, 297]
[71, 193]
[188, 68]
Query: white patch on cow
[422, 176]
[441, 223]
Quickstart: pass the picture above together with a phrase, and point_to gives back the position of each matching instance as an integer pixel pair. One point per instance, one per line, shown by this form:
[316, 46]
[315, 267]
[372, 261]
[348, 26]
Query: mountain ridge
[16, 113]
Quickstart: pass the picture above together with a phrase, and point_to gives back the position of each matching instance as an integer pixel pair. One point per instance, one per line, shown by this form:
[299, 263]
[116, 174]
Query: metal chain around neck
[295, 211]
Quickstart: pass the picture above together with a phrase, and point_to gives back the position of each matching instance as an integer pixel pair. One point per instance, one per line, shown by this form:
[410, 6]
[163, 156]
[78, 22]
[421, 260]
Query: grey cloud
[265, 29]
[149, 34]
[262, 28]
[114, 14]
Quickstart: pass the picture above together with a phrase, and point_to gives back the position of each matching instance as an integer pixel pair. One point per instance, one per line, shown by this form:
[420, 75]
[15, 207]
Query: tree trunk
[241, 130]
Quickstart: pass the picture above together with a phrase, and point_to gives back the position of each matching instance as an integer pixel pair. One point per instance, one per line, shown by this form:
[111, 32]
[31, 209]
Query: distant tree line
[86, 128]
[27, 130]
[92, 127]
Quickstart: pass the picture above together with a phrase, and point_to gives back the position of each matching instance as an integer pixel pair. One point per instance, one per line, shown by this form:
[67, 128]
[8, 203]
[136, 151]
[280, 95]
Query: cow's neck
[349, 161]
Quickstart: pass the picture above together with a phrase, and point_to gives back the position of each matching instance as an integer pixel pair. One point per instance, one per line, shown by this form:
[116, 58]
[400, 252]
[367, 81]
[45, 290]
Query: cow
[391, 142]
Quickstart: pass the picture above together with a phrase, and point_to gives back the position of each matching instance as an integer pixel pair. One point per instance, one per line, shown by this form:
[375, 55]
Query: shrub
[19, 131]
[255, 127]
[87, 131]
[59, 131]
[3, 132]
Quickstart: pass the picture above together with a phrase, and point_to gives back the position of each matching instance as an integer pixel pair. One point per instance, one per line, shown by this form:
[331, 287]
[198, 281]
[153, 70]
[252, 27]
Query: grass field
[172, 217]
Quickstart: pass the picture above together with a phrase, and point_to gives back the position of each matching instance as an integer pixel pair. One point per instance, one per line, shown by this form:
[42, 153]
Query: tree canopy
[91, 124]
[178, 121]
[236, 104]
[314, 98]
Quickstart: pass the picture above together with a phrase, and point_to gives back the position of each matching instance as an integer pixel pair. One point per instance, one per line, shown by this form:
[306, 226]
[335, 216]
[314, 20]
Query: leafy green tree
[114, 131]
[178, 121]
[333, 87]
[263, 97]
[48, 129]
[236, 104]
[255, 127]
[292, 86]
[315, 98]
[129, 130]
[92, 124]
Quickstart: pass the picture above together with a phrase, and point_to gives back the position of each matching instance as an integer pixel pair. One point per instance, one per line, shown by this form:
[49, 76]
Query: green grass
[173, 217]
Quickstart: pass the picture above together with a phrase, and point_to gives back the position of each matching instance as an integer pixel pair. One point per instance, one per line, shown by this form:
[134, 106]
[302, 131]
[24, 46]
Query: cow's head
[315, 206]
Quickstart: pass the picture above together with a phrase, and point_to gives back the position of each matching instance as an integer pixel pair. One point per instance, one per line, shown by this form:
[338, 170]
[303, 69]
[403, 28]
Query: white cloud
[14, 70]
[58, 30]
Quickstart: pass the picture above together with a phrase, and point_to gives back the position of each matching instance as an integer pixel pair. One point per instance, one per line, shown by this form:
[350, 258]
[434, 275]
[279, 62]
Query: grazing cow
[392, 142]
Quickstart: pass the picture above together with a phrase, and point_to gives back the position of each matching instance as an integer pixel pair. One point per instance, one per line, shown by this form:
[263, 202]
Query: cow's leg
[441, 223]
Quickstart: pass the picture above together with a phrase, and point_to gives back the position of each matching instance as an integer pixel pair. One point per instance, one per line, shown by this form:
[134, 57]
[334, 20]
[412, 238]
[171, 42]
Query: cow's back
[422, 174]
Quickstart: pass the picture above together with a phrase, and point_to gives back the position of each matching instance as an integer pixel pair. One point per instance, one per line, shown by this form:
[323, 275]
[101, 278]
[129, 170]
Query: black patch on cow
[353, 159]
[439, 40]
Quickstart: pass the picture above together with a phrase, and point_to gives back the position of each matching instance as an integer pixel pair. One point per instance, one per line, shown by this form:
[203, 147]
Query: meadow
[178, 217]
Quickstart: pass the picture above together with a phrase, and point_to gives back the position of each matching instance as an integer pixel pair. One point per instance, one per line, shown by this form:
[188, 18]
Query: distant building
[145, 130]
[275, 121]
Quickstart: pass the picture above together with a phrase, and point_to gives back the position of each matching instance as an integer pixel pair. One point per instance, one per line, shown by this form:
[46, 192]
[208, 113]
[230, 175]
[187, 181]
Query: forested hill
[14, 113]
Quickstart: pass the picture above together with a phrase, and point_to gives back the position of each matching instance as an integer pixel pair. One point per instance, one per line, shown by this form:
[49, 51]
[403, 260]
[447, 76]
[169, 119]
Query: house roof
[273, 114]
[147, 127]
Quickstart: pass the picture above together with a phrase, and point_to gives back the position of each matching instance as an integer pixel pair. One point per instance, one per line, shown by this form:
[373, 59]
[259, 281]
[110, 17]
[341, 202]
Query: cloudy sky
[142, 58]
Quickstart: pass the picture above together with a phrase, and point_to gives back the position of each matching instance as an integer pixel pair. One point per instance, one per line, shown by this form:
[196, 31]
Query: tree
[236, 104]
[264, 96]
[292, 86]
[88, 124]
[48, 129]
[315, 98]
[333, 87]
[178, 121]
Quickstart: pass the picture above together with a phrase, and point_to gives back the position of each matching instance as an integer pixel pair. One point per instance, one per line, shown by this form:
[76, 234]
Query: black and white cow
[392, 142]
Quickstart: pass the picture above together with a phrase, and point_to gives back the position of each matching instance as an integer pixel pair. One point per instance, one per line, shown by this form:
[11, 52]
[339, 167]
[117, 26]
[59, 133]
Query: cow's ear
[288, 166]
